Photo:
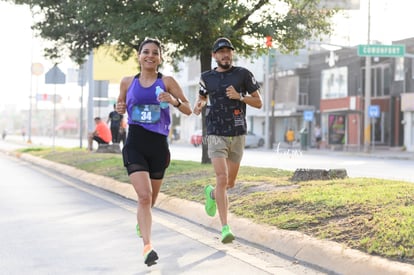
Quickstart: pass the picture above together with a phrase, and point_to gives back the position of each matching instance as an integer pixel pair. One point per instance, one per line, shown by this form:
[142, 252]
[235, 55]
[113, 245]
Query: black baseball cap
[222, 42]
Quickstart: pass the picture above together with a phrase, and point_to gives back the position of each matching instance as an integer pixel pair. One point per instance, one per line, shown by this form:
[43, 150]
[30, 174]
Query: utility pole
[267, 102]
[272, 105]
[90, 115]
[267, 93]
[81, 82]
[367, 100]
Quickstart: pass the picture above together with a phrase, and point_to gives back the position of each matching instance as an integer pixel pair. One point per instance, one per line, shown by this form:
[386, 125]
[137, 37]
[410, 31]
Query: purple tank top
[144, 109]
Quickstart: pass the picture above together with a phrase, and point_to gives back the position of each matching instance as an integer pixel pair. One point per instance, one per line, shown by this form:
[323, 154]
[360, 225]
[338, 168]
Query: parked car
[197, 138]
[253, 140]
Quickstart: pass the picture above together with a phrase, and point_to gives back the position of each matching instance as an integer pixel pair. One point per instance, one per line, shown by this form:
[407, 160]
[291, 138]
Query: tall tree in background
[187, 27]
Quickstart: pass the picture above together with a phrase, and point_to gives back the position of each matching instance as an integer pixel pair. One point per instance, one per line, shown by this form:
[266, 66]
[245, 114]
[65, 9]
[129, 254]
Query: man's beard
[224, 66]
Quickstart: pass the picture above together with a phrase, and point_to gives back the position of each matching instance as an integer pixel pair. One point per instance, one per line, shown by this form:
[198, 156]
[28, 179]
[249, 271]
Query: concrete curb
[325, 254]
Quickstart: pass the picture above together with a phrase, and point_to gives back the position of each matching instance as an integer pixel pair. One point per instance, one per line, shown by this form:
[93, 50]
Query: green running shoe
[210, 206]
[226, 235]
[138, 231]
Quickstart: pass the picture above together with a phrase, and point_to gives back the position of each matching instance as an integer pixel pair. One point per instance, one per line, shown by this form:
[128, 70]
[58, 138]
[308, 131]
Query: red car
[197, 138]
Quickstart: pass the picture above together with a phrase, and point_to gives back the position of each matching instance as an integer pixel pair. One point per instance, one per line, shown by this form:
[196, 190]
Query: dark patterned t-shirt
[224, 116]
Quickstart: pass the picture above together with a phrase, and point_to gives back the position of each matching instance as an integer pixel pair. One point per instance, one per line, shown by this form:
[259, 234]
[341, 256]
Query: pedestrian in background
[123, 132]
[146, 154]
[318, 135]
[290, 137]
[115, 120]
[229, 89]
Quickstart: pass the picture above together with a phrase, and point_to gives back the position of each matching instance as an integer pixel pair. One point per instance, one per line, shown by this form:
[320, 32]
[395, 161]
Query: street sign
[37, 69]
[308, 115]
[102, 102]
[100, 93]
[55, 76]
[374, 111]
[381, 50]
[49, 97]
[100, 89]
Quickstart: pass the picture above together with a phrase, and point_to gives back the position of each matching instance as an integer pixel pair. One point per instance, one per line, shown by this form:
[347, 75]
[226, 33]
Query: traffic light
[268, 41]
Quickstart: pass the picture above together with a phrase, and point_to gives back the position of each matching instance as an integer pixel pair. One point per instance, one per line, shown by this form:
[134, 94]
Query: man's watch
[241, 97]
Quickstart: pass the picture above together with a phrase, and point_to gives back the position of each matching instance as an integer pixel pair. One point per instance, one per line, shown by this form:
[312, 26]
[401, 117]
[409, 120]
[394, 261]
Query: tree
[187, 27]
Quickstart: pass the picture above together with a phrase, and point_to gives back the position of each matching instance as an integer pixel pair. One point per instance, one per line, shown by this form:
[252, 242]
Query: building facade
[327, 88]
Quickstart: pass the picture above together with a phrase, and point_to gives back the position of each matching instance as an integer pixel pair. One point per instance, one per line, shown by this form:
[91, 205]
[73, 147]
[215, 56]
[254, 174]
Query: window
[303, 99]
[334, 82]
[380, 80]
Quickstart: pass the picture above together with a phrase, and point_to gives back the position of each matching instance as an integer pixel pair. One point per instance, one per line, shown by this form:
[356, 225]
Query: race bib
[238, 117]
[146, 113]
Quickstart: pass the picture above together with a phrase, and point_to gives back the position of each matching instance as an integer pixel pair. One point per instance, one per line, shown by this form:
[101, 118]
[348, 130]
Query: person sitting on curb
[102, 134]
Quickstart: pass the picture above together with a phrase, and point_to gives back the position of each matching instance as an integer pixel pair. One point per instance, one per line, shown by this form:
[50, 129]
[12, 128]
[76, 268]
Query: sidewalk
[383, 152]
[327, 255]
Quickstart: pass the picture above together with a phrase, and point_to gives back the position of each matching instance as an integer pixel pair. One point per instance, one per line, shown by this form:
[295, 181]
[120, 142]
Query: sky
[18, 51]
[390, 20]
[15, 53]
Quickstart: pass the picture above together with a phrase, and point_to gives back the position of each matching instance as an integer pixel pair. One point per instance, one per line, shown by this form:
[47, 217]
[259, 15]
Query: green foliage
[186, 27]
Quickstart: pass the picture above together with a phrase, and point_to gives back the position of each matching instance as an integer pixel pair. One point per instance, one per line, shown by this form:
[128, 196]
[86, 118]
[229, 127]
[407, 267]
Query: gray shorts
[231, 148]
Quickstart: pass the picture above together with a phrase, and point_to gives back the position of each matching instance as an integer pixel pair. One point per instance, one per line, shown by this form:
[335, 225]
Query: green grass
[372, 215]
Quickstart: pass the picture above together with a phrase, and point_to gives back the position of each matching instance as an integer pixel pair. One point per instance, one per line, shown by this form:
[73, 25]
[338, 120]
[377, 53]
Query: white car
[253, 140]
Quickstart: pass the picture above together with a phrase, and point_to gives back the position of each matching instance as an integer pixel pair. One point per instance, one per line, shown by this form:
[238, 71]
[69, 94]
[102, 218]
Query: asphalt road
[53, 224]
